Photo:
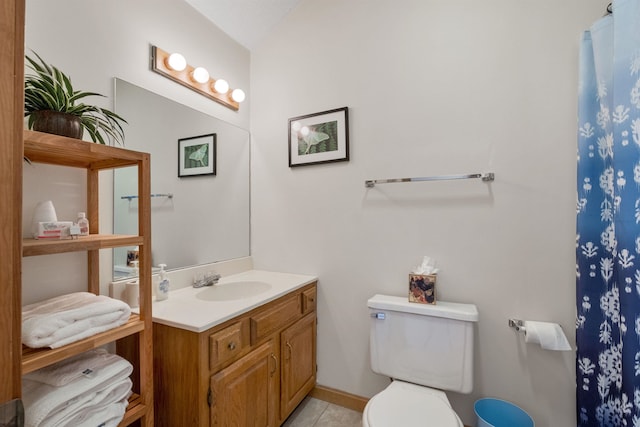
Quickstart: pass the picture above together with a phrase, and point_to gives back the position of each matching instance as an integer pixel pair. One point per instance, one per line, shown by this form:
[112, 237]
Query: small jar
[83, 223]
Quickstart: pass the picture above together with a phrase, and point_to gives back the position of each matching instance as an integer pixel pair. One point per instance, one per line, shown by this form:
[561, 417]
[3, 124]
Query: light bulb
[176, 62]
[200, 75]
[238, 95]
[221, 86]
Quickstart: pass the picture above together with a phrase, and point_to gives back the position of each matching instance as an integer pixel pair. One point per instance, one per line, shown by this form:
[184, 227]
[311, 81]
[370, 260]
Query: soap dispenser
[162, 290]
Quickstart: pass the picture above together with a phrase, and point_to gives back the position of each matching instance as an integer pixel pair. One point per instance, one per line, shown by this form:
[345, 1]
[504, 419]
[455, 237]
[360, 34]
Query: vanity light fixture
[200, 75]
[175, 67]
[221, 86]
[176, 62]
[238, 95]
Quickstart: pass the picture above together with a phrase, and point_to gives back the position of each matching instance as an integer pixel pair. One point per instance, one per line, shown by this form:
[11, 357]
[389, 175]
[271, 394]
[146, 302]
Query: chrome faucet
[209, 279]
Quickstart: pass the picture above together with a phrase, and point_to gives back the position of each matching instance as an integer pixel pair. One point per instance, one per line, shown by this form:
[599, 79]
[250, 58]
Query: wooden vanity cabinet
[252, 370]
[245, 393]
[298, 376]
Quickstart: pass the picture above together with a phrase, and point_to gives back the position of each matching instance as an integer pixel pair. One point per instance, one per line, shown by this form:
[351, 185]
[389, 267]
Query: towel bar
[486, 177]
[168, 196]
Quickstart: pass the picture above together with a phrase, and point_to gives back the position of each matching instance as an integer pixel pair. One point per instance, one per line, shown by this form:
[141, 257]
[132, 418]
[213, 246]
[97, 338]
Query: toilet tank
[430, 345]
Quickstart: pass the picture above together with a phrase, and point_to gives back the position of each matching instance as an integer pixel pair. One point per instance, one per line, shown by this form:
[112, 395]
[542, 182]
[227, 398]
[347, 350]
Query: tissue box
[422, 288]
[53, 230]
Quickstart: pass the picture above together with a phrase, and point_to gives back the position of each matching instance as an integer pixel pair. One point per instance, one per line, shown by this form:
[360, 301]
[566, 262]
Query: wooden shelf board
[59, 150]
[135, 410]
[36, 358]
[32, 247]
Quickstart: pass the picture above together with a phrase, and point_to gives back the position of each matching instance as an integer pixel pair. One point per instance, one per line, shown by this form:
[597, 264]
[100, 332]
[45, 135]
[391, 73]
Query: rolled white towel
[68, 318]
[42, 401]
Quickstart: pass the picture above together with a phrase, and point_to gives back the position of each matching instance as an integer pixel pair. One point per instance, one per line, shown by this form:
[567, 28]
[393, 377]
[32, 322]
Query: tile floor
[318, 413]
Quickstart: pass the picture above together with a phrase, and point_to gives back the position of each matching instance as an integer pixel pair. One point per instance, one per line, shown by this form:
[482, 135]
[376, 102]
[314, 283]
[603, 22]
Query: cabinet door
[245, 393]
[298, 350]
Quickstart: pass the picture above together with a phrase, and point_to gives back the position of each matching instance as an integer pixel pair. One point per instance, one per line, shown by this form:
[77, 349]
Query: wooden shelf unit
[57, 150]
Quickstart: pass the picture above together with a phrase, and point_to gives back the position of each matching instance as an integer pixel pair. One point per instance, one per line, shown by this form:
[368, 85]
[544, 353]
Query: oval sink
[232, 291]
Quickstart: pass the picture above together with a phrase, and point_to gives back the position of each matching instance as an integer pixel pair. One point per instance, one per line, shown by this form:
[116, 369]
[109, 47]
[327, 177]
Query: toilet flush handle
[379, 316]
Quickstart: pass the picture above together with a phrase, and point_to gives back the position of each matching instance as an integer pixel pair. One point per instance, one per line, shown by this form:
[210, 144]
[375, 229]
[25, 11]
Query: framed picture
[197, 155]
[319, 138]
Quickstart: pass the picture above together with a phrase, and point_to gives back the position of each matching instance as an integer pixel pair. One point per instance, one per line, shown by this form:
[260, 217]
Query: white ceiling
[246, 21]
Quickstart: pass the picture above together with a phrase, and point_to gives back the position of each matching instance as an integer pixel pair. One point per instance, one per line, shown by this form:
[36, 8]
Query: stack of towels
[68, 318]
[90, 389]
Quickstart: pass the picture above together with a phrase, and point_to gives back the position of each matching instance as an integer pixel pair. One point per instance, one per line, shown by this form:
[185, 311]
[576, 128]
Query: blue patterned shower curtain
[608, 222]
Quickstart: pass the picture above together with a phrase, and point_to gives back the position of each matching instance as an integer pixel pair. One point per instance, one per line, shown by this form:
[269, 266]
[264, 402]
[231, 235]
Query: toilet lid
[396, 407]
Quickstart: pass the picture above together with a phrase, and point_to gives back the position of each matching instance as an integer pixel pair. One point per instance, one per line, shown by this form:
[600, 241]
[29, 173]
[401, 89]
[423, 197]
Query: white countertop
[184, 310]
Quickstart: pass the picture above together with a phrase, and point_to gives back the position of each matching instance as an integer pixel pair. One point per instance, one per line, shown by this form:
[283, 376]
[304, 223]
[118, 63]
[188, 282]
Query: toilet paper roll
[548, 335]
[132, 294]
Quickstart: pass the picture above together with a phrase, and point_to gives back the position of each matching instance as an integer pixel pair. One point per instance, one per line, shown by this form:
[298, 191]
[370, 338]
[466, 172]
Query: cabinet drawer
[309, 300]
[228, 343]
[279, 315]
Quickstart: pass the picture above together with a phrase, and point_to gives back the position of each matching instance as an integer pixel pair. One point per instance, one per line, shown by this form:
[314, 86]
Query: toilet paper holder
[549, 336]
[518, 325]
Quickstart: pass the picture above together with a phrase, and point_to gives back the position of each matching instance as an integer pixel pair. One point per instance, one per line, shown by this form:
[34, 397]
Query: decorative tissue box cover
[422, 288]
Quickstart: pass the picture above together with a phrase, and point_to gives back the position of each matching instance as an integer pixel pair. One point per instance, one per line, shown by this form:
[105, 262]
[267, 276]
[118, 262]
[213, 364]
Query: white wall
[94, 42]
[433, 87]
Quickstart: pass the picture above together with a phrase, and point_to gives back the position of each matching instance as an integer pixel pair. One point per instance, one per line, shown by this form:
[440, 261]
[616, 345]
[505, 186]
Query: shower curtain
[608, 221]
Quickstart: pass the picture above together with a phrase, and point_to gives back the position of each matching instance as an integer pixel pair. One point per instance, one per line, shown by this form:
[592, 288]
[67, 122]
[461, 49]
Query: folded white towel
[42, 401]
[68, 318]
[108, 416]
[95, 411]
[71, 369]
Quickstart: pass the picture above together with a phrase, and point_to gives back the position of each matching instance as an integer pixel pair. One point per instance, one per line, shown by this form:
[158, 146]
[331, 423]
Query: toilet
[425, 349]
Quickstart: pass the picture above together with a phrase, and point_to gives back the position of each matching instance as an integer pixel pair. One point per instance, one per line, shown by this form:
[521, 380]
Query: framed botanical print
[197, 155]
[319, 138]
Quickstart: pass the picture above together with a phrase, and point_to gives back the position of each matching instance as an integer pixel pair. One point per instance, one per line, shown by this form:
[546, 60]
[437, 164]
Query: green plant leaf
[48, 88]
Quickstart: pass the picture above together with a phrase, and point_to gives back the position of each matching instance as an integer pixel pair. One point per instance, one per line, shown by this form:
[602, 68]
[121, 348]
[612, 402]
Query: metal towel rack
[486, 177]
[129, 198]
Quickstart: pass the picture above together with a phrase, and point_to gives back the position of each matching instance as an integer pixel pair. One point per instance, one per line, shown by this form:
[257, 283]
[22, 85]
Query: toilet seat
[409, 405]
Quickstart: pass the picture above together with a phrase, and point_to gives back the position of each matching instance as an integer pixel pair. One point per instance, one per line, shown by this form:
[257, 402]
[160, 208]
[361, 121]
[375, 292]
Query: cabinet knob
[231, 346]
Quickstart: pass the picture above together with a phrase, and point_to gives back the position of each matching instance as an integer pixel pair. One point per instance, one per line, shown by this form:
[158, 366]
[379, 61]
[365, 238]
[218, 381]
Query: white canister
[43, 212]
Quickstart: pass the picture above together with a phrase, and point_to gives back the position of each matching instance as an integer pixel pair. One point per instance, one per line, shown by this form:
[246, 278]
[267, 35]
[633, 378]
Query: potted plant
[52, 106]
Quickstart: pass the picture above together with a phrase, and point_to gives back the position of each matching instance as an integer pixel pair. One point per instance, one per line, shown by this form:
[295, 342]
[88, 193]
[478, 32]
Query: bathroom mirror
[194, 219]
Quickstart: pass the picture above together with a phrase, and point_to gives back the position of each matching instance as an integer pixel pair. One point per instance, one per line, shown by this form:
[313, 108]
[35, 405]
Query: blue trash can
[500, 413]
